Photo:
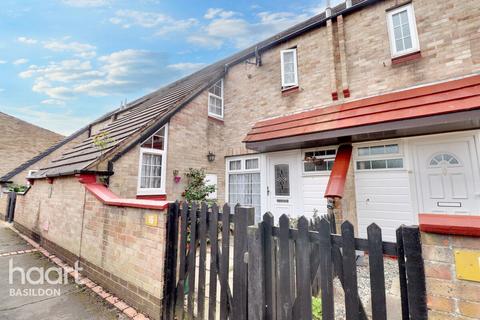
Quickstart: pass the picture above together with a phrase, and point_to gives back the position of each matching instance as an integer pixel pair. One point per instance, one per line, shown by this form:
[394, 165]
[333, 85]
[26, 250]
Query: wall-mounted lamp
[211, 156]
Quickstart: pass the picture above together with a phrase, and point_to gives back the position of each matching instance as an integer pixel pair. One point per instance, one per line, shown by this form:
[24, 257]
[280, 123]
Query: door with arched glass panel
[447, 177]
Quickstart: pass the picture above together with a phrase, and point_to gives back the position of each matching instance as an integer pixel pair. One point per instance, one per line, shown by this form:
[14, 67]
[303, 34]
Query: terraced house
[371, 107]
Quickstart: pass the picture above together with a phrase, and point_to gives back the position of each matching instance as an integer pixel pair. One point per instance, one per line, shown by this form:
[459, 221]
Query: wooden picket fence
[277, 269]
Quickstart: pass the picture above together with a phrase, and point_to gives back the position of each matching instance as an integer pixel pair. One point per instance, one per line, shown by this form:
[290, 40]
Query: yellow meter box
[467, 265]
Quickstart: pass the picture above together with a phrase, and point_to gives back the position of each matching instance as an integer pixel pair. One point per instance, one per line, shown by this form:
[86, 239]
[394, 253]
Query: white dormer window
[215, 100]
[152, 164]
[289, 68]
[402, 31]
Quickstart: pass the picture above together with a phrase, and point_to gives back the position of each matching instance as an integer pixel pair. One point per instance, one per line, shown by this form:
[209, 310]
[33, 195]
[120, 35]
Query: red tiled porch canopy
[441, 107]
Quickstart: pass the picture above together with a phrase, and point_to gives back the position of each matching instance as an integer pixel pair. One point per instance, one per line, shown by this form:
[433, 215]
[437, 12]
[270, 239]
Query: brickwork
[361, 57]
[449, 297]
[116, 248]
[20, 141]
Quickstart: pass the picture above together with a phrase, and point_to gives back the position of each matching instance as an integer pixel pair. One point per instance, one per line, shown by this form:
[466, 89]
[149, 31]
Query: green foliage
[197, 189]
[101, 140]
[316, 308]
[17, 188]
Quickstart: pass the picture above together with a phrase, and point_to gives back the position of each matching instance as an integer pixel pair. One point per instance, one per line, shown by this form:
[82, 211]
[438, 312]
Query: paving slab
[10, 241]
[38, 299]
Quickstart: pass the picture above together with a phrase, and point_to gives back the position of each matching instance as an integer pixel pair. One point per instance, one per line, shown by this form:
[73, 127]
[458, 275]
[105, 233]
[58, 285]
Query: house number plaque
[151, 220]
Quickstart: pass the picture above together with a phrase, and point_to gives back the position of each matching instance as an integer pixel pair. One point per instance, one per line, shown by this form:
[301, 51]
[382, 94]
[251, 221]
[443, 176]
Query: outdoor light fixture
[211, 156]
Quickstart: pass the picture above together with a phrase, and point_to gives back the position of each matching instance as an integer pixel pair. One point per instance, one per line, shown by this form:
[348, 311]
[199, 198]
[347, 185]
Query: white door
[284, 184]
[446, 176]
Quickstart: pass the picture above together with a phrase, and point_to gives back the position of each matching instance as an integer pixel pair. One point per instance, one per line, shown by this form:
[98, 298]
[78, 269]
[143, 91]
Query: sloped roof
[431, 100]
[157, 107]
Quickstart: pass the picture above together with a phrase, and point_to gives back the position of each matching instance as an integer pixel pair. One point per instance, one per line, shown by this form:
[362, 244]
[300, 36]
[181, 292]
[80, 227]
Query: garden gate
[11, 202]
[274, 270]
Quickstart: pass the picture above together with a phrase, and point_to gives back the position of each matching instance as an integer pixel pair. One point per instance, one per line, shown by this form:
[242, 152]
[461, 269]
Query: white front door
[447, 176]
[284, 184]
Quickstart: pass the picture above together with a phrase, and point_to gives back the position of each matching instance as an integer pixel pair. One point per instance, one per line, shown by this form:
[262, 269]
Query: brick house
[20, 141]
[374, 105]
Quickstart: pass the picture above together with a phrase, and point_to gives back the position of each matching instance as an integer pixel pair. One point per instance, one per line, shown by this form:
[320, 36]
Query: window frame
[386, 156]
[295, 68]
[211, 114]
[317, 173]
[413, 31]
[242, 170]
[163, 153]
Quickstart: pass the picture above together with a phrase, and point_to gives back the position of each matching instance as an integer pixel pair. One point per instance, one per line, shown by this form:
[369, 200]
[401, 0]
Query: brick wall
[20, 141]
[449, 297]
[448, 33]
[116, 248]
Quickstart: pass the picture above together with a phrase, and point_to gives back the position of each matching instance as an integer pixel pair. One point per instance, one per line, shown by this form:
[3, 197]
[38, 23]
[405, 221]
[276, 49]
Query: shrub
[197, 189]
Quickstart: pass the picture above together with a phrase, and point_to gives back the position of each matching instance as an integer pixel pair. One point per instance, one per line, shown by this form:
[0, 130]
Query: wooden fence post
[416, 287]
[256, 289]
[377, 272]
[225, 264]
[352, 305]
[269, 261]
[402, 274]
[303, 304]
[180, 294]
[284, 270]
[326, 270]
[242, 219]
[170, 262]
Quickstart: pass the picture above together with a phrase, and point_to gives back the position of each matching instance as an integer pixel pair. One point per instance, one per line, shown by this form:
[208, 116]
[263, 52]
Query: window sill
[160, 197]
[290, 90]
[216, 119]
[147, 193]
[406, 58]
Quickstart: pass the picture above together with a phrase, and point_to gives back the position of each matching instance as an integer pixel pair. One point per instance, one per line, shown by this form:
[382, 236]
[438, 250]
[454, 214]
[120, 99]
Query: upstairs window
[215, 100]
[289, 68]
[151, 178]
[402, 31]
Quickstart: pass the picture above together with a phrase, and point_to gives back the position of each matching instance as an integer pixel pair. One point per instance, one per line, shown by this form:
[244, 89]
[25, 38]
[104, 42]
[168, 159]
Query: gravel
[363, 278]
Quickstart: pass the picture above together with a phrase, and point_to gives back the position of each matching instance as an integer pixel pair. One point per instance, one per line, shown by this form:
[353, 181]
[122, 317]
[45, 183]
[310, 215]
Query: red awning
[422, 102]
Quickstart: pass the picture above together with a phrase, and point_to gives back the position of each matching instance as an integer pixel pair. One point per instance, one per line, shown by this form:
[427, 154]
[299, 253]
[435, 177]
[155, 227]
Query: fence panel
[277, 269]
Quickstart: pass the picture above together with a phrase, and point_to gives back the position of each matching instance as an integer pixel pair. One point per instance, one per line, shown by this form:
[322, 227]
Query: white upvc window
[152, 164]
[402, 31]
[319, 160]
[244, 182]
[215, 100]
[379, 157]
[289, 68]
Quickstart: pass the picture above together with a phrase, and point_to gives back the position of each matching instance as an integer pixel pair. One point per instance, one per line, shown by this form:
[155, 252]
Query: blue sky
[64, 63]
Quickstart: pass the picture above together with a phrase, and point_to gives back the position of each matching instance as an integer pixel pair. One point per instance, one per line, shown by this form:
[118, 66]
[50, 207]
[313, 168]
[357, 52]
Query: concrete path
[42, 300]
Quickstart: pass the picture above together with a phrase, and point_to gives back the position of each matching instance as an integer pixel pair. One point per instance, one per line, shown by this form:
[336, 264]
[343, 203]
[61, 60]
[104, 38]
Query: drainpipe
[336, 183]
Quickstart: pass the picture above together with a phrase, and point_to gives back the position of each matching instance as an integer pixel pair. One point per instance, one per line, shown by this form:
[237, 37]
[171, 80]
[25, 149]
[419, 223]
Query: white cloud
[218, 13]
[3, 61]
[53, 102]
[82, 50]
[26, 40]
[86, 3]
[205, 41]
[228, 27]
[20, 61]
[120, 72]
[163, 24]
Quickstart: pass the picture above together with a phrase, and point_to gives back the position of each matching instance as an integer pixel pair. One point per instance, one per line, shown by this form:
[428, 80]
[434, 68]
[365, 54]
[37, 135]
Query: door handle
[268, 191]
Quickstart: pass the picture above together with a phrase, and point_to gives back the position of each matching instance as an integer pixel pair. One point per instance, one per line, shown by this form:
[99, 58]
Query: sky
[64, 63]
